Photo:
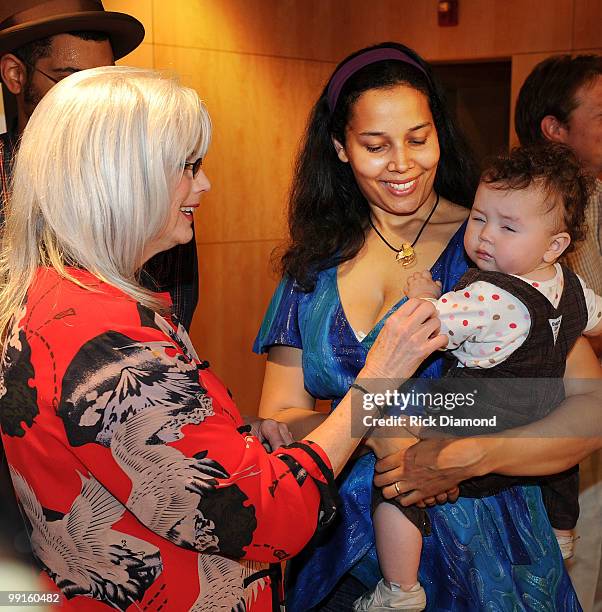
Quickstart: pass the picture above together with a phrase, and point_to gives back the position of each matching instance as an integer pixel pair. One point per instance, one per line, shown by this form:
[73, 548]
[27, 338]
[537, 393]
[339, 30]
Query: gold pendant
[406, 256]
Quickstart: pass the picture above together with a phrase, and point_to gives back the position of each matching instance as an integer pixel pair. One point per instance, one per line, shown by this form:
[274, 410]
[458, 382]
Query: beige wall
[259, 65]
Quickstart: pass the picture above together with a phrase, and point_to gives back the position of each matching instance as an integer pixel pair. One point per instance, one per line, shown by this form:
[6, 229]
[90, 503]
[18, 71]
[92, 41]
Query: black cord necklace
[406, 256]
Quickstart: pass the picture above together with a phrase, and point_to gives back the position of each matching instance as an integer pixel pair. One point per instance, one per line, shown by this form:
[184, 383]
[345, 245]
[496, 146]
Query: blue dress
[497, 553]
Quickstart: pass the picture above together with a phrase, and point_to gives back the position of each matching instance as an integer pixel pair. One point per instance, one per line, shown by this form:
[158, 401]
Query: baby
[516, 315]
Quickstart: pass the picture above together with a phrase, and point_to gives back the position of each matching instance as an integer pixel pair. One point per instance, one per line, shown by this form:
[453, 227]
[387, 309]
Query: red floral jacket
[141, 488]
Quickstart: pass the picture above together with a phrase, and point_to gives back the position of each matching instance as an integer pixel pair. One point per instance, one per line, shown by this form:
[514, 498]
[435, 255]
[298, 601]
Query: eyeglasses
[47, 75]
[50, 78]
[195, 166]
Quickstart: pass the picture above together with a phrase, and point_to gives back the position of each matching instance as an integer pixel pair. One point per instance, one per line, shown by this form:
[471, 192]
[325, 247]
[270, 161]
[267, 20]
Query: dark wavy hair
[551, 89]
[328, 214]
[566, 187]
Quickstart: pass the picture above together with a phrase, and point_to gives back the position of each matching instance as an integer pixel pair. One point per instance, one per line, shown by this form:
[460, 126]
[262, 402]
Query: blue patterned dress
[497, 553]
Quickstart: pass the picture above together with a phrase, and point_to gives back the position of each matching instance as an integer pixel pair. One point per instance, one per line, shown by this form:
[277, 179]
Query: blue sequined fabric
[496, 553]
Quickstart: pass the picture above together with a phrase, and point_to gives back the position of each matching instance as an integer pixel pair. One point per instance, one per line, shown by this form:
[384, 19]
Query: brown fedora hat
[23, 21]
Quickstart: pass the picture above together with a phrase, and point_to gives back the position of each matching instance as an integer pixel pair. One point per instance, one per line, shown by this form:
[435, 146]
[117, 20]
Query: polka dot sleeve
[484, 323]
[594, 307]
[465, 314]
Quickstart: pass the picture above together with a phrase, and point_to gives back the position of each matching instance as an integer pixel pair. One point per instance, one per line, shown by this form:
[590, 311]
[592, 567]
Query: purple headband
[348, 69]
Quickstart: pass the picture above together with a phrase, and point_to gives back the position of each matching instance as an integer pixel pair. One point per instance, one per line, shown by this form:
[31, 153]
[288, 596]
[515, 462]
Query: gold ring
[396, 485]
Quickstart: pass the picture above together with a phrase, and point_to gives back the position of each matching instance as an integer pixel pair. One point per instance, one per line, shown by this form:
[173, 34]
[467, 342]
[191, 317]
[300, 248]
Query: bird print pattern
[140, 486]
[82, 553]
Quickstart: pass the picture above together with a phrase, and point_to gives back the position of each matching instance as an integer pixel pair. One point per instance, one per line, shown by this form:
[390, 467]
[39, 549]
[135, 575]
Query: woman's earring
[340, 151]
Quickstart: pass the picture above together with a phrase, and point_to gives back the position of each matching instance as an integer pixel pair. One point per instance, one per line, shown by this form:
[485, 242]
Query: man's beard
[31, 97]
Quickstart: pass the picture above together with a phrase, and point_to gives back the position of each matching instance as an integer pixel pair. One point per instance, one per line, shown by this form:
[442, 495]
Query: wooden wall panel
[329, 29]
[588, 24]
[287, 28]
[487, 28]
[522, 26]
[140, 9]
[259, 107]
[142, 57]
[236, 284]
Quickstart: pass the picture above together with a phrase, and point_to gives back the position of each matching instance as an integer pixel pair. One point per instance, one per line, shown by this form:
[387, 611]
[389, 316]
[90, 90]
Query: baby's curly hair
[555, 168]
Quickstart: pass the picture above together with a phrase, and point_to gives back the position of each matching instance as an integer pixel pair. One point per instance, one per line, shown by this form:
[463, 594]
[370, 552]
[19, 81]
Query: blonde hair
[96, 169]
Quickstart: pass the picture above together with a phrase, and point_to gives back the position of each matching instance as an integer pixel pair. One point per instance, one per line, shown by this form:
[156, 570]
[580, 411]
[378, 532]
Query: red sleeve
[177, 459]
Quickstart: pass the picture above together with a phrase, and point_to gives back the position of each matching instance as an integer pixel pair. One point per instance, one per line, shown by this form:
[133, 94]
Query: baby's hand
[422, 285]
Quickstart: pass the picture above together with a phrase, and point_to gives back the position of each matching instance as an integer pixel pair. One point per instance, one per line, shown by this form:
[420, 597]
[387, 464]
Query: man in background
[42, 42]
[561, 100]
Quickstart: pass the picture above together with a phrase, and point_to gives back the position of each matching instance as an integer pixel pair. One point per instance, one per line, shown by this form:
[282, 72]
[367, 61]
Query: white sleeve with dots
[594, 306]
[484, 323]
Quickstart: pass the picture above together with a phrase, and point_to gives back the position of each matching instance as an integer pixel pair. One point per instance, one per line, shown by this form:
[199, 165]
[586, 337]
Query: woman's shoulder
[77, 301]
[289, 307]
[292, 289]
[75, 286]
[449, 212]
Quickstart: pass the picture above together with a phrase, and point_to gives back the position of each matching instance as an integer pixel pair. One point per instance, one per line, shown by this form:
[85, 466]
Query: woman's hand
[272, 434]
[409, 336]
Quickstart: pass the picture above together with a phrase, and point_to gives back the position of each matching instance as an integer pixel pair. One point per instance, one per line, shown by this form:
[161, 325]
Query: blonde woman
[140, 482]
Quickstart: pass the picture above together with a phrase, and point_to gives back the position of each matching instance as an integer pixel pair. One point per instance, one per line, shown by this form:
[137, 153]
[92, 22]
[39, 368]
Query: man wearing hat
[42, 42]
